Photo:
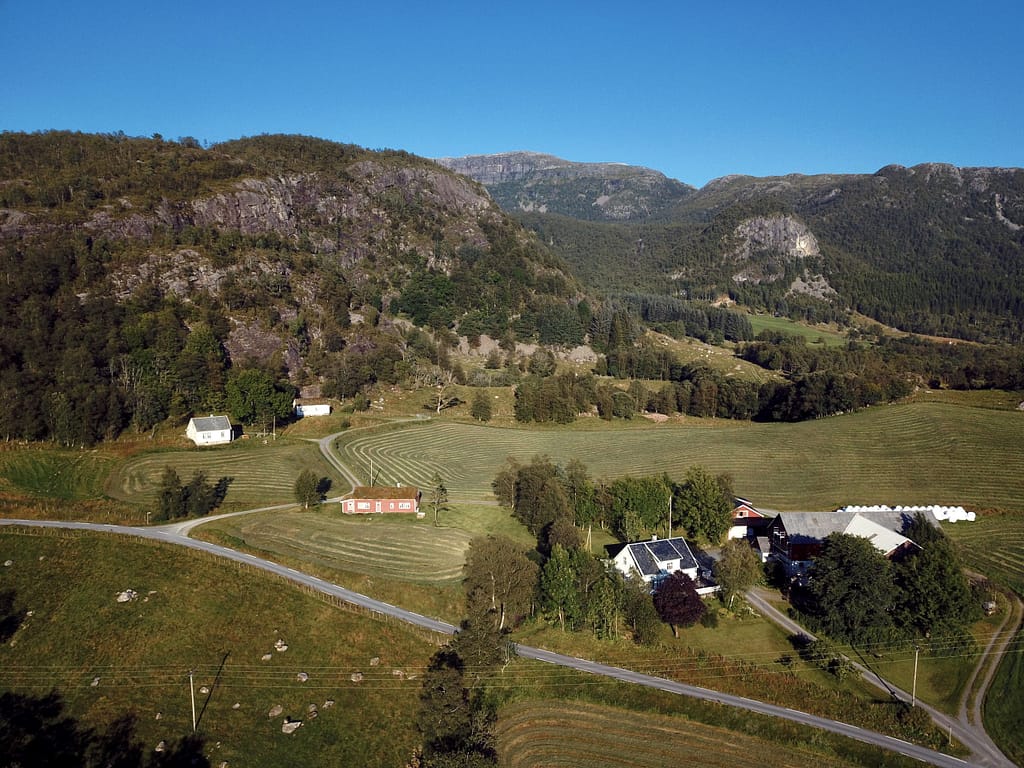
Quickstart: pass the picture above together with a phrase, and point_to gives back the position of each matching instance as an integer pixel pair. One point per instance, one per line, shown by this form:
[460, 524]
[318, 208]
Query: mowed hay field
[993, 545]
[55, 473]
[261, 474]
[907, 453]
[550, 732]
[108, 659]
[392, 548]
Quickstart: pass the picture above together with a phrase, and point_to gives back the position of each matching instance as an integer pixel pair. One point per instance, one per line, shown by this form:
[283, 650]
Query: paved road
[176, 533]
[984, 751]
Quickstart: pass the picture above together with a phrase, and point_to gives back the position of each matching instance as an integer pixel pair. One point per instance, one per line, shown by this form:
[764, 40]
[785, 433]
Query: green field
[392, 548]
[55, 473]
[548, 732]
[193, 612]
[261, 474]
[397, 559]
[907, 453]
[994, 545]
[814, 334]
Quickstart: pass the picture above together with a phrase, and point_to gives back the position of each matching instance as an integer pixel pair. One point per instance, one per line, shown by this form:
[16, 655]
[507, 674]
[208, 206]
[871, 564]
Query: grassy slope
[192, 613]
[582, 733]
[814, 334]
[908, 453]
[262, 473]
[994, 545]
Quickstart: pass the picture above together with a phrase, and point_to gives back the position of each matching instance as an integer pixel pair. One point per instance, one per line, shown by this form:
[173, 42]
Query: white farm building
[209, 430]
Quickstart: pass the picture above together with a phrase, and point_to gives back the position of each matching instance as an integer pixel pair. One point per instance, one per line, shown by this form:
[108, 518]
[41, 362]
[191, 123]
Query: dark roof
[644, 560]
[647, 554]
[385, 492]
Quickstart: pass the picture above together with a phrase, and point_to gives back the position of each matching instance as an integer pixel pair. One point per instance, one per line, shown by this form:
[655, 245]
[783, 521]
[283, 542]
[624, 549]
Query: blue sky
[696, 90]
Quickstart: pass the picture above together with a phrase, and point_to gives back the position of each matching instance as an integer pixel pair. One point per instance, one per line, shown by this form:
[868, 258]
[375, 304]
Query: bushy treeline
[681, 318]
[952, 366]
[195, 498]
[819, 381]
[555, 502]
[857, 595]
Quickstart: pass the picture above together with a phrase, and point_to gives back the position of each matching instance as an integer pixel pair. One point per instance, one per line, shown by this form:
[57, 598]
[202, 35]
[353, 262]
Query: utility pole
[913, 693]
[192, 689]
[670, 513]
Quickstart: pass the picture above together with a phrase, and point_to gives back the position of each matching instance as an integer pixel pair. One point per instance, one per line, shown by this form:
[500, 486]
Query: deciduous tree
[558, 592]
[307, 488]
[704, 504]
[737, 569]
[852, 590]
[438, 499]
[481, 407]
[678, 603]
[500, 578]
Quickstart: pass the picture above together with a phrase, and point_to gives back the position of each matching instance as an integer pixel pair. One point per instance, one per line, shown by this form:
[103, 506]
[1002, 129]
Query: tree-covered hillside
[145, 279]
[932, 249]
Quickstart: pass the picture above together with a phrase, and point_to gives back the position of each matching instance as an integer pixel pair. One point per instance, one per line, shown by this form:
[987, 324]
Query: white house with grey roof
[209, 430]
[656, 559]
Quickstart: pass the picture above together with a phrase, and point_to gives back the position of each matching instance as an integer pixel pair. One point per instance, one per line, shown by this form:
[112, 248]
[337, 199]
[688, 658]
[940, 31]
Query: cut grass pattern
[56, 474]
[993, 545]
[404, 550]
[578, 733]
[909, 453]
[261, 475]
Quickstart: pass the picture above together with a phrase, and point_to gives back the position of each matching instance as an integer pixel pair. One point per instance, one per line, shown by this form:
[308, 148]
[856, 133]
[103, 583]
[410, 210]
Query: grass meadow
[261, 473]
[577, 732]
[907, 453]
[994, 546]
[108, 658]
[814, 334]
[398, 559]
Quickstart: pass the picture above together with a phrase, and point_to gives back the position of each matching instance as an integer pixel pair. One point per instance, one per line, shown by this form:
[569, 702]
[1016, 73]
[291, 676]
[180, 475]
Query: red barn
[381, 499]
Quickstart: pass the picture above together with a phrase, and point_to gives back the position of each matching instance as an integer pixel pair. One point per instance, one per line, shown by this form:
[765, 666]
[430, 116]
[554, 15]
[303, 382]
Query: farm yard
[908, 453]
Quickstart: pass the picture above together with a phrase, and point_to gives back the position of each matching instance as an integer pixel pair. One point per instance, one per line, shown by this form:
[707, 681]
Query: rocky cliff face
[531, 182]
[771, 248]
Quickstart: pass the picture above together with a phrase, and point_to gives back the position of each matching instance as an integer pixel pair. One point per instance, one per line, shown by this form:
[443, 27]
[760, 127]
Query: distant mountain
[532, 182]
[933, 249]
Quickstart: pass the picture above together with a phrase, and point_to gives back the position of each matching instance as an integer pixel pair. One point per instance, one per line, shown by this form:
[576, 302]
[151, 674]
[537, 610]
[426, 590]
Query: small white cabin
[310, 407]
[209, 430]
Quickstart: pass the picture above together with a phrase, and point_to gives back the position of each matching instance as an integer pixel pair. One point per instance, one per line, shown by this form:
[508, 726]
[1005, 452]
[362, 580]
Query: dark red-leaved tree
[678, 603]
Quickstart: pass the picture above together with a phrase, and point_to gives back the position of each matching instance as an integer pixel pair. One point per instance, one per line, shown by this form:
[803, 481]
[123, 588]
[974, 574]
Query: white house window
[363, 505]
[405, 505]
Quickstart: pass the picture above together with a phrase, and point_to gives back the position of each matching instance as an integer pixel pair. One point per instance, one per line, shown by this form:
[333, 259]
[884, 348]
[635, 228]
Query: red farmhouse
[378, 500]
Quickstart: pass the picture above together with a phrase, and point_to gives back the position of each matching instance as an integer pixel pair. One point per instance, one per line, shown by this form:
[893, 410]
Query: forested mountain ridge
[931, 249]
[533, 182]
[142, 278]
